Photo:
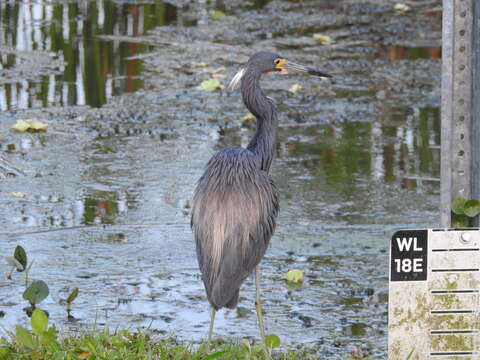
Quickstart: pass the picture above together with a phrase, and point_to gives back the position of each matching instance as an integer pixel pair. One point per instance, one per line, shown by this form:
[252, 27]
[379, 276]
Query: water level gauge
[434, 295]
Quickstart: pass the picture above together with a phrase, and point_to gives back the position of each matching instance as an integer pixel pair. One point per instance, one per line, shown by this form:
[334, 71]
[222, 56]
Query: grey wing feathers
[233, 218]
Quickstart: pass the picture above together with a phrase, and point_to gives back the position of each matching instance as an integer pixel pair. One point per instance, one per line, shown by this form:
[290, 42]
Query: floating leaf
[401, 8]
[460, 221]
[217, 15]
[210, 85]
[73, 295]
[24, 338]
[322, 39]
[272, 341]
[200, 64]
[21, 126]
[294, 276]
[37, 125]
[36, 292]
[29, 125]
[21, 256]
[472, 208]
[295, 88]
[20, 195]
[248, 118]
[39, 322]
[218, 70]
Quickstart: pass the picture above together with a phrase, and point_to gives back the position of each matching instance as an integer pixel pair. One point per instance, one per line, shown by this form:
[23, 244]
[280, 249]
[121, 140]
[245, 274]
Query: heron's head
[265, 62]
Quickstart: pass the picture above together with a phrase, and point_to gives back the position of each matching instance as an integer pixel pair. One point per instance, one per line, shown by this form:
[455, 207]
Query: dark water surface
[93, 68]
[108, 189]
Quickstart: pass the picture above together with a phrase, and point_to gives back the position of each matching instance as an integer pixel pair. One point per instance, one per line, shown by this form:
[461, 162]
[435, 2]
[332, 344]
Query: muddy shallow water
[108, 185]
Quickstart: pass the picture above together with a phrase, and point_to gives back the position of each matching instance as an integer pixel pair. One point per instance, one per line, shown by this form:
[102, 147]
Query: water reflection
[102, 211]
[94, 69]
[403, 145]
[400, 52]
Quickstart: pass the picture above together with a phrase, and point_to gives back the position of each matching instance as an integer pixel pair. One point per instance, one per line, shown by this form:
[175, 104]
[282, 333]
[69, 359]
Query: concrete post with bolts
[460, 138]
[434, 294]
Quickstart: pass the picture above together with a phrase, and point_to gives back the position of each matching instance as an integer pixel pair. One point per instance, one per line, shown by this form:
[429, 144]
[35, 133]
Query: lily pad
[272, 341]
[295, 88]
[294, 276]
[31, 125]
[210, 85]
[36, 292]
[217, 15]
[322, 39]
[401, 8]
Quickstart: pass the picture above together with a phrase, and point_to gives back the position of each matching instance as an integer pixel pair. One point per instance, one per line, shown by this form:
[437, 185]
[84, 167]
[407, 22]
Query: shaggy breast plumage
[233, 217]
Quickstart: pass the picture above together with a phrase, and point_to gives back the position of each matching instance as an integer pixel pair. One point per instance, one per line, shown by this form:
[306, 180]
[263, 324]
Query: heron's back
[233, 218]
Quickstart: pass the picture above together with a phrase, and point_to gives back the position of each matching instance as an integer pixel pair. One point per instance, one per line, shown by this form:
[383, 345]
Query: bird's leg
[210, 330]
[258, 305]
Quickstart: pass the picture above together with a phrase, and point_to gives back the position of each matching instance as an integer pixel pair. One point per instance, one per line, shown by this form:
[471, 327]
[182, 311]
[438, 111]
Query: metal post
[476, 105]
[460, 145]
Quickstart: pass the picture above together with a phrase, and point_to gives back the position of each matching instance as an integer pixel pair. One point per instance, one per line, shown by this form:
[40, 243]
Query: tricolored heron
[235, 204]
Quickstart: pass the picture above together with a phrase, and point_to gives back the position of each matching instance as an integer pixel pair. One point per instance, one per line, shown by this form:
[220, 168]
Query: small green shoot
[73, 295]
[21, 256]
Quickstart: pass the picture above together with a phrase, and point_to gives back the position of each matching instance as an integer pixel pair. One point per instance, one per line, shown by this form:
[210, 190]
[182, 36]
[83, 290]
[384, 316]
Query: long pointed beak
[286, 66]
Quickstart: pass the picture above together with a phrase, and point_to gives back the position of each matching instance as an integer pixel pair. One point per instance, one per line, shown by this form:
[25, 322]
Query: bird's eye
[277, 61]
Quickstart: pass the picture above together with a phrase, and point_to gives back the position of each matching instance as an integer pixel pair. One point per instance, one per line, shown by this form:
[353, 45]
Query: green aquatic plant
[73, 295]
[463, 211]
[18, 261]
[42, 342]
[35, 293]
[41, 335]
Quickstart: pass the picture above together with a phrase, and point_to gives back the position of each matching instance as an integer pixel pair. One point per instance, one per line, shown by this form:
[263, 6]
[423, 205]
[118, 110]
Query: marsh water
[108, 186]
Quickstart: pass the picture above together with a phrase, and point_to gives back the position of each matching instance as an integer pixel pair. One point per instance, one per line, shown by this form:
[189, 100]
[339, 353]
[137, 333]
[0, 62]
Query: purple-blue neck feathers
[264, 141]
